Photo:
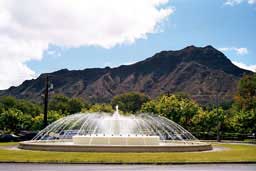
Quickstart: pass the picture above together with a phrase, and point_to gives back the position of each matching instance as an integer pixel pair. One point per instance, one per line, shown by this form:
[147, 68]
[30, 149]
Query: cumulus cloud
[252, 1]
[236, 2]
[238, 51]
[28, 27]
[245, 66]
[53, 53]
[129, 63]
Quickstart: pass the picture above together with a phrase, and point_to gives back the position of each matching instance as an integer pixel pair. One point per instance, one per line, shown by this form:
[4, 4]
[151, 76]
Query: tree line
[239, 117]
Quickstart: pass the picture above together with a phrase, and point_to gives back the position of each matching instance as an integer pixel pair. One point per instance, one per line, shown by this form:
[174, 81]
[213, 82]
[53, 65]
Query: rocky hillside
[201, 72]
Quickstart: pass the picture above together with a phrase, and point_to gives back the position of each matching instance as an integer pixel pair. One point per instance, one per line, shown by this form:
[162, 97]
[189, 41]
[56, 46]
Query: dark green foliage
[245, 121]
[26, 122]
[16, 115]
[107, 108]
[8, 102]
[10, 120]
[178, 109]
[29, 107]
[24, 106]
[66, 105]
[238, 116]
[244, 108]
[38, 120]
[209, 121]
[76, 105]
[246, 95]
[129, 102]
[59, 103]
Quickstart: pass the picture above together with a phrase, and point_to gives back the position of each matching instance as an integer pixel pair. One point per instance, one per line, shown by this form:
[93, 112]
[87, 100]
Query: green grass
[234, 153]
[253, 141]
[8, 144]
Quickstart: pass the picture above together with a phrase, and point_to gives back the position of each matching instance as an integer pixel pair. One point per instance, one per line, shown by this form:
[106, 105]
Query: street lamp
[219, 124]
[46, 94]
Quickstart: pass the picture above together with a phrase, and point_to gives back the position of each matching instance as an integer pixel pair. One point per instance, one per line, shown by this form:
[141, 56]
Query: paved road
[68, 167]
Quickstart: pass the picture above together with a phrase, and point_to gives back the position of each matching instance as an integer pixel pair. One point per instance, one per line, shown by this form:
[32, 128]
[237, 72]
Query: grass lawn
[233, 153]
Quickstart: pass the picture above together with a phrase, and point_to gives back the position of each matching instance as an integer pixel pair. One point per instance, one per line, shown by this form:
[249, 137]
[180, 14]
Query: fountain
[103, 132]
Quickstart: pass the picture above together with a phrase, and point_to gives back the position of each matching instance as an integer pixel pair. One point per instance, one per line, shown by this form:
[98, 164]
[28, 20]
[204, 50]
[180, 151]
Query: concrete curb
[133, 163]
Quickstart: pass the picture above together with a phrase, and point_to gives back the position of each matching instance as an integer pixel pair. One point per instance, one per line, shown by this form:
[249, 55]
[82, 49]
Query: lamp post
[217, 112]
[46, 97]
[46, 100]
[219, 122]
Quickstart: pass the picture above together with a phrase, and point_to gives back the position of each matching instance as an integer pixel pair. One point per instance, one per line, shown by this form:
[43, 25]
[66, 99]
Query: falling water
[105, 124]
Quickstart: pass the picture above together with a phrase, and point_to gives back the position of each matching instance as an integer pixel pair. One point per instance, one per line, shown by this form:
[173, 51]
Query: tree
[178, 109]
[59, 103]
[66, 105]
[76, 105]
[150, 107]
[26, 122]
[212, 121]
[245, 105]
[1, 108]
[8, 102]
[10, 120]
[38, 120]
[129, 102]
[100, 108]
[245, 121]
[246, 95]
[24, 106]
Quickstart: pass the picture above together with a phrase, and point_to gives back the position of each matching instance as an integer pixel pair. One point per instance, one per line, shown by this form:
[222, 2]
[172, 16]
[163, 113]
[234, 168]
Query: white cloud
[112, 65]
[238, 51]
[28, 27]
[129, 63]
[241, 51]
[233, 2]
[251, 1]
[13, 72]
[53, 53]
[236, 2]
[245, 66]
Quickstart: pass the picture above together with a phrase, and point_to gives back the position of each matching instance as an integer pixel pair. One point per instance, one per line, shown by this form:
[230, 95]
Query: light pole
[46, 100]
[46, 97]
[217, 111]
[219, 122]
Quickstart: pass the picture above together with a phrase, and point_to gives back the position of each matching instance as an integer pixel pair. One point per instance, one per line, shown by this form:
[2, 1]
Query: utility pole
[219, 122]
[217, 112]
[46, 100]
[168, 93]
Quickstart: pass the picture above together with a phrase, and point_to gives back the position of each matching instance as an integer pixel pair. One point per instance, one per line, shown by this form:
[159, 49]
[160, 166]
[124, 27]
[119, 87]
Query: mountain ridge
[192, 70]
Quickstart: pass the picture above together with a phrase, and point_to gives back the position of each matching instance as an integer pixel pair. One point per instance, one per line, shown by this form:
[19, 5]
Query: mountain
[202, 72]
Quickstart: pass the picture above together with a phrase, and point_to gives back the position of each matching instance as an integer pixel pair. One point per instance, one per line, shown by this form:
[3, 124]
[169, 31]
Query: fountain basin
[116, 140]
[103, 132]
[66, 146]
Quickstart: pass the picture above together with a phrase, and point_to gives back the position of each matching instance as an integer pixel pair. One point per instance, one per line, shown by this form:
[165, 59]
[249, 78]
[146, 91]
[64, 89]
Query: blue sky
[227, 25]
[194, 22]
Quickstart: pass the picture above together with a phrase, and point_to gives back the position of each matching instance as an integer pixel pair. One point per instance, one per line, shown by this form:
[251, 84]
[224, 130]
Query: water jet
[103, 132]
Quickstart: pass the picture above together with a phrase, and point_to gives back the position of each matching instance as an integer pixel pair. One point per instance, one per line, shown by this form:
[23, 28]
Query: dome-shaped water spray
[93, 131]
